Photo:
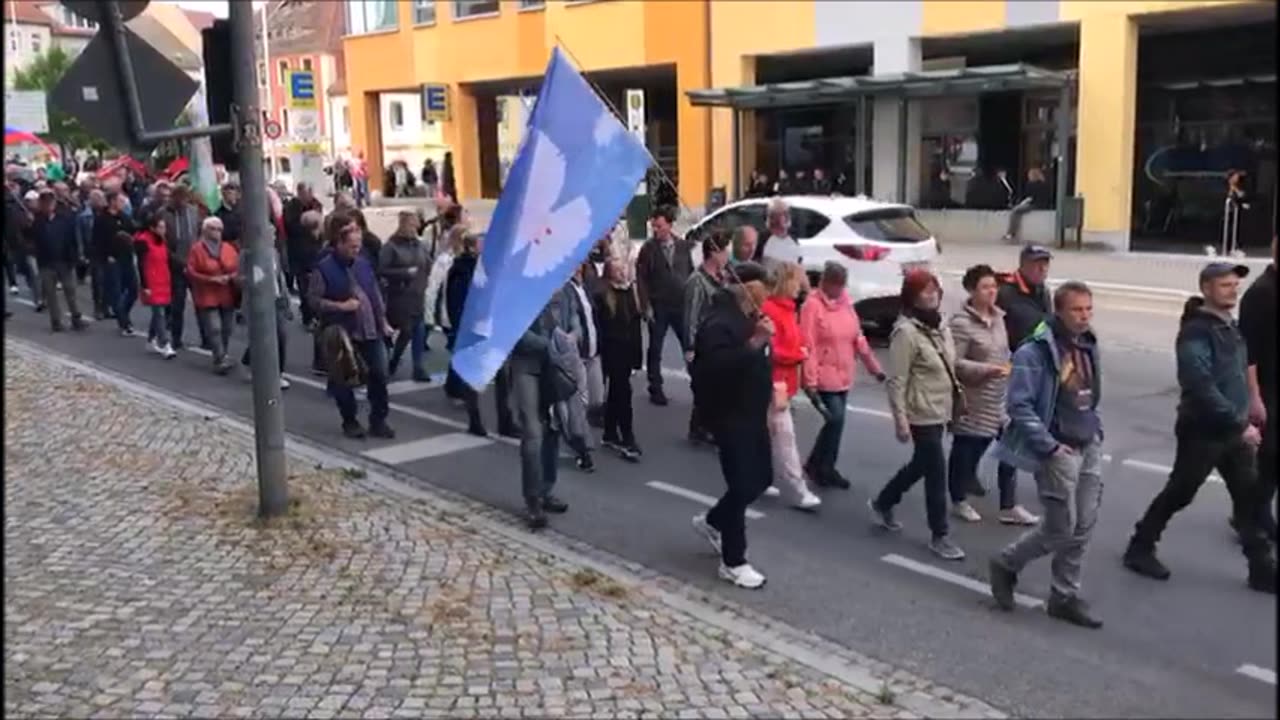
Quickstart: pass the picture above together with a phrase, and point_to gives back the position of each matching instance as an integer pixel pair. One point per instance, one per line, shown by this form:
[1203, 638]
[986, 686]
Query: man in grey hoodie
[182, 228]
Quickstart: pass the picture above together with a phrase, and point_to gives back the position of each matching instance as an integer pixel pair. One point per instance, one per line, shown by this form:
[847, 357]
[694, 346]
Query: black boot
[1142, 560]
[1003, 581]
[1072, 610]
[1262, 576]
[535, 517]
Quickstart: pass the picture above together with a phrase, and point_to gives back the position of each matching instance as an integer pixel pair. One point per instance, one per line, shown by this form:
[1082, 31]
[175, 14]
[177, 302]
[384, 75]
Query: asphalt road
[1200, 645]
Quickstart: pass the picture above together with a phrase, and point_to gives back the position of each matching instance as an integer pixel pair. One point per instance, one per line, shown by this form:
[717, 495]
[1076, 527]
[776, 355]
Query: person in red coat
[153, 277]
[788, 355]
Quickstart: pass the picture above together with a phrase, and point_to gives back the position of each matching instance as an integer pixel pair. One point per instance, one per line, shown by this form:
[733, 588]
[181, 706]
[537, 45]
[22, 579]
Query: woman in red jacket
[154, 278]
[789, 353]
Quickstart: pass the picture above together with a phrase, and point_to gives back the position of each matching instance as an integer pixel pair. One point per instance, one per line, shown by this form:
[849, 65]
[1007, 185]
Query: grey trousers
[539, 443]
[571, 414]
[1070, 490]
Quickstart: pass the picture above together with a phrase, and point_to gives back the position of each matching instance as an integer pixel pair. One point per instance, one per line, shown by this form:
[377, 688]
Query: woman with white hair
[213, 271]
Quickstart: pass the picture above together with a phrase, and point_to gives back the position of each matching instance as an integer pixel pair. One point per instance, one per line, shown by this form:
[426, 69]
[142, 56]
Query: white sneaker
[168, 352]
[13, 290]
[1018, 515]
[154, 347]
[744, 576]
[809, 501]
[711, 534]
[965, 511]
[772, 491]
[284, 383]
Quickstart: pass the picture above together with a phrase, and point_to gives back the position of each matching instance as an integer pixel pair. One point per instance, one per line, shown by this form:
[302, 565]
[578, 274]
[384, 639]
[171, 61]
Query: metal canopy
[929, 83]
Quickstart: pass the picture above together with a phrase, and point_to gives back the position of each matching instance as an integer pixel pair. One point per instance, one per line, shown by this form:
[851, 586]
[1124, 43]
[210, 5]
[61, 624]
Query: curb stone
[913, 694]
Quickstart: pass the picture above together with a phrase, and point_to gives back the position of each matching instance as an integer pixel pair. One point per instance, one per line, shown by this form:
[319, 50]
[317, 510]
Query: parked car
[876, 241]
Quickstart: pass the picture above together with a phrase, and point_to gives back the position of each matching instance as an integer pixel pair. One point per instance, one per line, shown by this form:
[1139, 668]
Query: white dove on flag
[479, 278]
[550, 234]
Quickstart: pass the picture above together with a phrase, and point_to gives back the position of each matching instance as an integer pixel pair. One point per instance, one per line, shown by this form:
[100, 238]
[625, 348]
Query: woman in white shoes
[154, 279]
[982, 367]
[788, 353]
[733, 387]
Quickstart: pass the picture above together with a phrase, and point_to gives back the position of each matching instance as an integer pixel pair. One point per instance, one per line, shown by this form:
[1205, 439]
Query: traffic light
[219, 89]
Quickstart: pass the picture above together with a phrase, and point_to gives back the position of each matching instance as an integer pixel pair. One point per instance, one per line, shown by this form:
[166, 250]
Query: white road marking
[956, 579]
[1258, 673]
[404, 387]
[1162, 469]
[426, 448]
[696, 496]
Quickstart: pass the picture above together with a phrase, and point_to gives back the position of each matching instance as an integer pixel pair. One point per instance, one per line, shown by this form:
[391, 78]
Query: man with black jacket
[1212, 429]
[300, 241]
[1258, 325]
[57, 254]
[733, 389]
[113, 248]
[662, 268]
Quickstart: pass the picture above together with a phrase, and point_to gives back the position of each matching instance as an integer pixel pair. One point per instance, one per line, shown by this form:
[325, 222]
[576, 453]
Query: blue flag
[576, 170]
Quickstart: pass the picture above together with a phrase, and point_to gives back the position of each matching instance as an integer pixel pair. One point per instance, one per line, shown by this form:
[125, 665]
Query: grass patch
[885, 695]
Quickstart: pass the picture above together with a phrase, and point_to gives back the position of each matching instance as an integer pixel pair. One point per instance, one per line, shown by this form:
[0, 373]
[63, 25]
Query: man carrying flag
[575, 172]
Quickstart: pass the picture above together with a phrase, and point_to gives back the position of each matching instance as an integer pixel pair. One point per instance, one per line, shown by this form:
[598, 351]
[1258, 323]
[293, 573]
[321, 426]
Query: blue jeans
[928, 462]
[539, 443]
[122, 290]
[962, 469]
[158, 330]
[374, 354]
[826, 448]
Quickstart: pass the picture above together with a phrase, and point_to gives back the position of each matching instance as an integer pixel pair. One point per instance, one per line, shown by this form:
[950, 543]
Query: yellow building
[1164, 95]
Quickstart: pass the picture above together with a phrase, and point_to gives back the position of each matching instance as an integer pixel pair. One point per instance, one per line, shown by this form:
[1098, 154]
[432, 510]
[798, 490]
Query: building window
[286, 165]
[306, 64]
[284, 120]
[474, 8]
[72, 20]
[368, 16]
[397, 115]
[532, 4]
[284, 71]
[346, 120]
[424, 12]
[36, 46]
[262, 75]
[15, 40]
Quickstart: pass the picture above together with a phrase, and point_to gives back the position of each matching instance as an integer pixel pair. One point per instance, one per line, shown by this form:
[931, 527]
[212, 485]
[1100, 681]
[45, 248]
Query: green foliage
[44, 73]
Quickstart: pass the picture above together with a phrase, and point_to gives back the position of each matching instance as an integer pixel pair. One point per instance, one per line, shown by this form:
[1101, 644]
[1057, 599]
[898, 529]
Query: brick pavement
[138, 583]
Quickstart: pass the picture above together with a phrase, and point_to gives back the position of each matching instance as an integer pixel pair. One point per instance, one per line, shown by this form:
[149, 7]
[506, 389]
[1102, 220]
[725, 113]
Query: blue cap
[1035, 252]
[1215, 270]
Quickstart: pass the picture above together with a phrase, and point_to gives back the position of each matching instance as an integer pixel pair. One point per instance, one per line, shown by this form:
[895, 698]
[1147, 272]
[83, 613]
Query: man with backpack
[542, 374]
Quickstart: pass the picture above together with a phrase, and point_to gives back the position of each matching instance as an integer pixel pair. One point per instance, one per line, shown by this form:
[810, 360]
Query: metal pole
[861, 128]
[268, 414]
[1063, 133]
[266, 79]
[736, 190]
[902, 149]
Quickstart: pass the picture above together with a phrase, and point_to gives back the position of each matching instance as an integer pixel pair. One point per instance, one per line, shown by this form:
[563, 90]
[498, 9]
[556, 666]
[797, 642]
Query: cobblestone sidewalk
[137, 583]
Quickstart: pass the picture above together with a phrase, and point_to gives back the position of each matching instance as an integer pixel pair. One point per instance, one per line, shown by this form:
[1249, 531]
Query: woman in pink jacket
[833, 334]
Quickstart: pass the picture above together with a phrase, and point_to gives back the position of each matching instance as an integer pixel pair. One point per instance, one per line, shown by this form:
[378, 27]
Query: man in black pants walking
[663, 267]
[733, 389]
[1212, 429]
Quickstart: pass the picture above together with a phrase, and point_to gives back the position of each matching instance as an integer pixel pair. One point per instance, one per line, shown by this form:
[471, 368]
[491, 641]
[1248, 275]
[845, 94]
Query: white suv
[876, 241]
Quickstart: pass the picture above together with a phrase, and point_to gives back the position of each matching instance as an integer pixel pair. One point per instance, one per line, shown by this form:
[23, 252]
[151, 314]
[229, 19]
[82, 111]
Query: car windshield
[888, 225]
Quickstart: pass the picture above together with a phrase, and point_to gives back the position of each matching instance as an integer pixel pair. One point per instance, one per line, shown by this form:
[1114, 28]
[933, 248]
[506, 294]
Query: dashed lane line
[956, 579]
[430, 447]
[1257, 673]
[696, 496]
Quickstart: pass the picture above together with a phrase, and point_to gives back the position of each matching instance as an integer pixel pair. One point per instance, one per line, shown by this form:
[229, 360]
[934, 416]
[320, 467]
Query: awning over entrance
[929, 83]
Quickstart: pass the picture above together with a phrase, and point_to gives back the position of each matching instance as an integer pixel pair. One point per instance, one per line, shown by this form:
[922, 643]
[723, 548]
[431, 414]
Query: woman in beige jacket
[982, 366]
[922, 387]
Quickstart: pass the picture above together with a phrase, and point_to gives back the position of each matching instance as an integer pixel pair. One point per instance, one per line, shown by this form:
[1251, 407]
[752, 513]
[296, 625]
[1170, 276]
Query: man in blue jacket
[57, 251]
[1055, 432]
[1212, 430]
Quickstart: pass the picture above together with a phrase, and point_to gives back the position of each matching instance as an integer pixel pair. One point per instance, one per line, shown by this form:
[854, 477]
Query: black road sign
[91, 91]
[92, 9]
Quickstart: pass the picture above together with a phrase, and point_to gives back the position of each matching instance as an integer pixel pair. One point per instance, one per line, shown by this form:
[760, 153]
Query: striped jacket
[980, 342]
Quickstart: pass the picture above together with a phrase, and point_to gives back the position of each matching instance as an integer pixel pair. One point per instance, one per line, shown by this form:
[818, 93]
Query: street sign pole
[268, 413]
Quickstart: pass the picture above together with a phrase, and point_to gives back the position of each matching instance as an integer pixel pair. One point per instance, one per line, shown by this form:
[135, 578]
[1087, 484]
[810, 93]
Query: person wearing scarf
[922, 389]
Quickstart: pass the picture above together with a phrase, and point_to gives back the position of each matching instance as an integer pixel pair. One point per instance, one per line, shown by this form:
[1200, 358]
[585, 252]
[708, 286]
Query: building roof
[837, 90]
[302, 27]
[44, 13]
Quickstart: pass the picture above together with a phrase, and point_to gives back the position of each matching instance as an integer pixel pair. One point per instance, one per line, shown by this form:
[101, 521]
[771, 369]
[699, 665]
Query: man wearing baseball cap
[1213, 430]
